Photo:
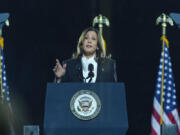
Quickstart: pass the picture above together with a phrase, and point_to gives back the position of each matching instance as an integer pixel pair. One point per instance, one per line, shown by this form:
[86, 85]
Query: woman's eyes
[93, 38]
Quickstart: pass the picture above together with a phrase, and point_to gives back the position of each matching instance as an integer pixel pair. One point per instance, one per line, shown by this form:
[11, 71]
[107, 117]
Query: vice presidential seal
[85, 104]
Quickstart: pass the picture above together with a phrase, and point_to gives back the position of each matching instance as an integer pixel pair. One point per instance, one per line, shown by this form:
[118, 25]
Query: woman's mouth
[88, 46]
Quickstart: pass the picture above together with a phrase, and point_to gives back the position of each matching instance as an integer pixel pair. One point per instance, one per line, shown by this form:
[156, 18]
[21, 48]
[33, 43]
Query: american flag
[3, 80]
[5, 95]
[164, 79]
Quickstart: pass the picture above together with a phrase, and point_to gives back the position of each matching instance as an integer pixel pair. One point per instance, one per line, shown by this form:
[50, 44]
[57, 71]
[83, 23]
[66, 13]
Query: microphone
[90, 67]
[91, 73]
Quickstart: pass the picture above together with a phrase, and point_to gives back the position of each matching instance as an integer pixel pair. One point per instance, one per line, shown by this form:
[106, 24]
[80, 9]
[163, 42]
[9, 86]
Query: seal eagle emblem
[85, 104]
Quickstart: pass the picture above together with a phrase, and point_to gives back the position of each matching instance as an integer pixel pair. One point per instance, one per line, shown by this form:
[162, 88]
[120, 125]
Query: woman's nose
[89, 40]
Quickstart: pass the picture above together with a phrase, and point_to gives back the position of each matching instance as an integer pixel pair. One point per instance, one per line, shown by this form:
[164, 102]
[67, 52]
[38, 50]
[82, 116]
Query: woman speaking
[88, 64]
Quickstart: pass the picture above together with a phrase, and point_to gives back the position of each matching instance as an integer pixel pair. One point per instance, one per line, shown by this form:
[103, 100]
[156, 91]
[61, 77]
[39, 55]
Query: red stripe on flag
[156, 115]
[153, 132]
[171, 118]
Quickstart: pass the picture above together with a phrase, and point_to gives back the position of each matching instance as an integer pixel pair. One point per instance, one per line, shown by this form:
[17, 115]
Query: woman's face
[89, 44]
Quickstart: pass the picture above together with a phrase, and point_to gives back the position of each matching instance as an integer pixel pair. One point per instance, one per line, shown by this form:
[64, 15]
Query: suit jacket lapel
[79, 70]
[99, 67]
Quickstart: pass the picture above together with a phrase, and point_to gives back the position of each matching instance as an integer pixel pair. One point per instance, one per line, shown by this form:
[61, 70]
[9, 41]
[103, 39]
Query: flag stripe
[153, 132]
[156, 115]
[177, 120]
[156, 126]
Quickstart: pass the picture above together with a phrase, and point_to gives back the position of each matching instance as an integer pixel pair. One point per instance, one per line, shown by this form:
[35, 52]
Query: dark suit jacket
[106, 71]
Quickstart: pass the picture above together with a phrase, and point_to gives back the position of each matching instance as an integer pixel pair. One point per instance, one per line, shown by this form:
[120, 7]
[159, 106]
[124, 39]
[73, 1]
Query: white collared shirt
[85, 63]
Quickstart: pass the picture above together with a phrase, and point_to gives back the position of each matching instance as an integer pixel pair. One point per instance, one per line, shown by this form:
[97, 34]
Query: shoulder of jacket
[108, 60]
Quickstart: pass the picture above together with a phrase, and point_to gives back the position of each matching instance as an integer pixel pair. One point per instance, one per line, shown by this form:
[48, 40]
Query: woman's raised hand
[59, 70]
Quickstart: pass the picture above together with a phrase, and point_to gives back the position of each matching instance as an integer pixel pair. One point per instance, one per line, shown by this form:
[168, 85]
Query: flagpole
[100, 20]
[163, 19]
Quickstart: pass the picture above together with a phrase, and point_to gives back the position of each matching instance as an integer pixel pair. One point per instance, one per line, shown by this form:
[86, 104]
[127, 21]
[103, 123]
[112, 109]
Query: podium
[111, 120]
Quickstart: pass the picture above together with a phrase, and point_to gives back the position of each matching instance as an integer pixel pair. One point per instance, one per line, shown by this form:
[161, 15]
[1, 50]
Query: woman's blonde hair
[100, 52]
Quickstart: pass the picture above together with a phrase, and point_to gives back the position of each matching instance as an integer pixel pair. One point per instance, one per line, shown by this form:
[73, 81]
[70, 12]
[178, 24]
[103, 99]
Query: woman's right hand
[59, 70]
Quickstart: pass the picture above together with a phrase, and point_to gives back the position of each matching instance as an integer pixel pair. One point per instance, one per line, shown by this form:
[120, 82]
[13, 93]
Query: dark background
[42, 30]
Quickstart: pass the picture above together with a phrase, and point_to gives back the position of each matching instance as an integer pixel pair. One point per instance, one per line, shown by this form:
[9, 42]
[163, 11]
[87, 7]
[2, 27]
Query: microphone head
[90, 67]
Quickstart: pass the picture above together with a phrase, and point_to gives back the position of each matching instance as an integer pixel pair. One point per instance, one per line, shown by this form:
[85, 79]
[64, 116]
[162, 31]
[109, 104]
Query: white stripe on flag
[155, 125]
